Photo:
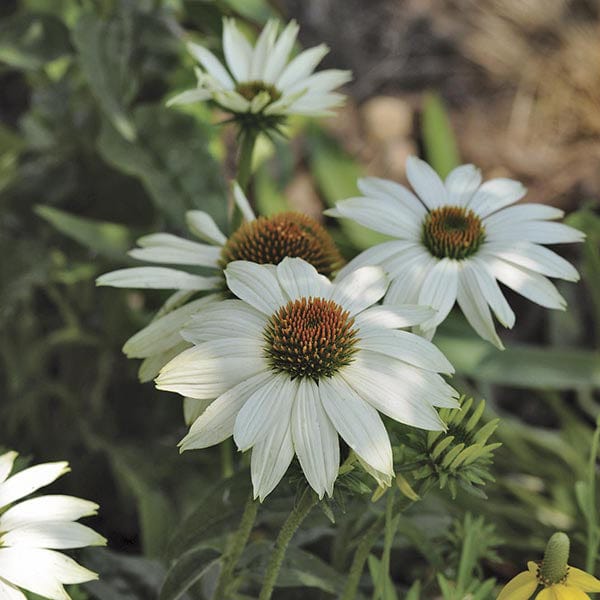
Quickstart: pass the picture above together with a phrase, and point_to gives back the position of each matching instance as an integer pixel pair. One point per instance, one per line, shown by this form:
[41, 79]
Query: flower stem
[245, 160]
[235, 547]
[300, 512]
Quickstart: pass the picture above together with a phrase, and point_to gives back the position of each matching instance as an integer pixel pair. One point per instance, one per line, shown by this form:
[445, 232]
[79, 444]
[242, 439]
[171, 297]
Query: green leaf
[30, 41]
[108, 239]
[171, 158]
[440, 143]
[379, 574]
[187, 571]
[104, 50]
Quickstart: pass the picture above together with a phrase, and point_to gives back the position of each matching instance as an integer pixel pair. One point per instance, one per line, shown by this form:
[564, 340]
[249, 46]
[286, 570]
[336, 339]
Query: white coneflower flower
[265, 240]
[456, 238]
[260, 85]
[297, 360]
[32, 530]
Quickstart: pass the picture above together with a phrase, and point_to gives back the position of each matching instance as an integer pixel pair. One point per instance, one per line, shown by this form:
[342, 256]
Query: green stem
[235, 548]
[593, 535]
[245, 160]
[227, 458]
[300, 512]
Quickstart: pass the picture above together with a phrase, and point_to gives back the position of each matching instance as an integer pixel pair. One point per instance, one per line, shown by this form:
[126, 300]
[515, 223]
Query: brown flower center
[268, 240]
[452, 232]
[310, 337]
[251, 89]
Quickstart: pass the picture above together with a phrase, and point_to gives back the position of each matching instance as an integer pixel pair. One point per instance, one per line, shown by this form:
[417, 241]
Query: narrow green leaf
[187, 571]
[440, 143]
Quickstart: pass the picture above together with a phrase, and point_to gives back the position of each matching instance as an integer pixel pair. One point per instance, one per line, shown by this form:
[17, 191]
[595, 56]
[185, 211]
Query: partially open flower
[298, 360]
[258, 84]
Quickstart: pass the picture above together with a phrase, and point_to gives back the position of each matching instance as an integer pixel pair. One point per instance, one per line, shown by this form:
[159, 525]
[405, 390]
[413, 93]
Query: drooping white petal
[172, 249]
[522, 212]
[426, 183]
[538, 232]
[239, 319]
[300, 279]
[210, 369]
[439, 290]
[376, 187]
[242, 202]
[157, 278]
[532, 256]
[189, 97]
[394, 317]
[476, 309]
[379, 254]
[357, 422]
[7, 461]
[315, 439]
[490, 290]
[407, 279]
[237, 50]
[165, 332]
[271, 458]
[212, 64]
[269, 407]
[56, 535]
[412, 256]
[262, 50]
[9, 592]
[193, 408]
[29, 480]
[406, 347]
[461, 184]
[316, 104]
[231, 100]
[360, 289]
[322, 82]
[44, 508]
[300, 67]
[495, 194]
[281, 51]
[151, 366]
[533, 286]
[203, 226]
[255, 284]
[216, 423]
[386, 216]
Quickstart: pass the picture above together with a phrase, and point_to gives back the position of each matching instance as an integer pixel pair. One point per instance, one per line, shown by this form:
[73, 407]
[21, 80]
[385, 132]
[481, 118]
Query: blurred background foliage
[90, 159]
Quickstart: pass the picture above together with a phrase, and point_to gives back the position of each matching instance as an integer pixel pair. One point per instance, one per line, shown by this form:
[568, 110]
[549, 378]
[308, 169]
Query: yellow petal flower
[520, 587]
[563, 592]
[582, 580]
[547, 594]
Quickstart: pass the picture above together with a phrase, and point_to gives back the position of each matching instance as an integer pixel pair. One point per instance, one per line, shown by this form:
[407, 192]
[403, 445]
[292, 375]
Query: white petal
[358, 423]
[496, 194]
[209, 370]
[29, 480]
[376, 255]
[7, 461]
[300, 279]
[426, 183]
[45, 508]
[192, 409]
[165, 332]
[279, 56]
[237, 50]
[439, 290]
[412, 256]
[462, 183]
[189, 97]
[9, 592]
[271, 458]
[269, 407]
[322, 82]
[203, 225]
[151, 366]
[394, 317]
[212, 64]
[533, 286]
[231, 100]
[532, 256]
[386, 216]
[490, 290]
[301, 66]
[522, 212]
[404, 400]
[263, 50]
[216, 423]
[404, 346]
[476, 309]
[172, 249]
[360, 289]
[225, 319]
[157, 278]
[315, 439]
[242, 202]
[383, 188]
[256, 285]
[316, 104]
[539, 232]
[52, 534]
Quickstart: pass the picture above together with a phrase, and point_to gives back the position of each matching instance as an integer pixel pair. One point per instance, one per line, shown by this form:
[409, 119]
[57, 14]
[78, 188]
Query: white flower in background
[456, 239]
[259, 83]
[32, 530]
[297, 360]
